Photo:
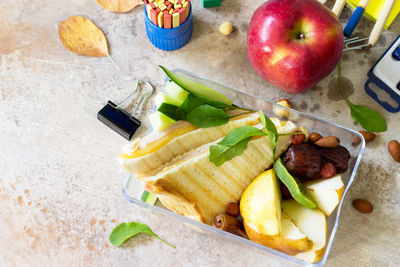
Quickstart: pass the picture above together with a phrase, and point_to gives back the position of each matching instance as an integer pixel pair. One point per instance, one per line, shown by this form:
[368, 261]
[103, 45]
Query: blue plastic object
[385, 75]
[169, 39]
[354, 19]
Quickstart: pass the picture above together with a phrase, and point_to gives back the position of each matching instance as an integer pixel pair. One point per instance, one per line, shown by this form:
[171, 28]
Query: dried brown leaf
[83, 37]
[120, 6]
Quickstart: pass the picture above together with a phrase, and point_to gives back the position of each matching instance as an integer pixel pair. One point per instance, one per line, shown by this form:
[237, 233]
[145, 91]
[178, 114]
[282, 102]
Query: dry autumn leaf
[83, 37]
[120, 5]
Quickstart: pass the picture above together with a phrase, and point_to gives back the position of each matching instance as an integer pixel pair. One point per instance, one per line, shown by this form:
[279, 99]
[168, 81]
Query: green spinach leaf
[124, 231]
[239, 134]
[221, 153]
[270, 130]
[369, 119]
[207, 116]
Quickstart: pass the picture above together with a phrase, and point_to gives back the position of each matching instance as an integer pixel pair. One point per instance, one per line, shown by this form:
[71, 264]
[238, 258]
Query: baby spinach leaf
[207, 116]
[124, 231]
[239, 134]
[270, 130]
[221, 153]
[369, 119]
[169, 110]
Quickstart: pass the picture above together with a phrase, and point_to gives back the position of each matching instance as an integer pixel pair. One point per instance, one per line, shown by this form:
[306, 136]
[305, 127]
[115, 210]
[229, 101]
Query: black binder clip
[115, 117]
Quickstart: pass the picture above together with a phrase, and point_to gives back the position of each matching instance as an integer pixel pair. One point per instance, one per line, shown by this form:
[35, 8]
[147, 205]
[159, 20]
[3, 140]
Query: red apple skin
[280, 57]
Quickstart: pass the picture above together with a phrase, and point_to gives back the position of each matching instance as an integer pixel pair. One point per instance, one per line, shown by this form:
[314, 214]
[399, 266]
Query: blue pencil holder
[169, 39]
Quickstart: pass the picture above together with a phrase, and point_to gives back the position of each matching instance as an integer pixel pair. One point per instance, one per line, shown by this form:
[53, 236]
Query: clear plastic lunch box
[133, 188]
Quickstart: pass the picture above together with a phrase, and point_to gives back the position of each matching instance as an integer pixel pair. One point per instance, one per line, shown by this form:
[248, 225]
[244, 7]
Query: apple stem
[301, 36]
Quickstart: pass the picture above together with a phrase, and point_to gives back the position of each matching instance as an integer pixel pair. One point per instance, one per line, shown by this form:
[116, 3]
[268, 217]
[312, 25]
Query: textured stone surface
[60, 186]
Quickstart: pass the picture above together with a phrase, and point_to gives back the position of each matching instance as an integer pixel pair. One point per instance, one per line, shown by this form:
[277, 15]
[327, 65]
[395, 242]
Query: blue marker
[355, 18]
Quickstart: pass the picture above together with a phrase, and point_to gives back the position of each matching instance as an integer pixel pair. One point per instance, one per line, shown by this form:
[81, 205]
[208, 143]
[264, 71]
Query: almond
[394, 150]
[314, 137]
[362, 205]
[368, 137]
[232, 209]
[328, 142]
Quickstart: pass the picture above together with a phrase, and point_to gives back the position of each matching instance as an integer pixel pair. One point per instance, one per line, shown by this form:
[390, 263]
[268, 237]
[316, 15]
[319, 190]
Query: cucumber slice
[295, 188]
[175, 91]
[196, 88]
[165, 98]
[148, 197]
[159, 121]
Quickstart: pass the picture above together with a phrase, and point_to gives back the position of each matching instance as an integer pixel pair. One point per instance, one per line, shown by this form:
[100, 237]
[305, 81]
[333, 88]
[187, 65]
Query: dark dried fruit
[362, 205]
[232, 209]
[298, 139]
[328, 170]
[314, 137]
[303, 161]
[285, 191]
[339, 156]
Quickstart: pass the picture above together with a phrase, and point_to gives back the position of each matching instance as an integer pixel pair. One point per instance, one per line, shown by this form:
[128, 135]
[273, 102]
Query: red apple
[294, 44]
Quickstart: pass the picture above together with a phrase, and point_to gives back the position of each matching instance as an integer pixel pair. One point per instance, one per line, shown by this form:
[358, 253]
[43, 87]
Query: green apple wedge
[262, 218]
[160, 121]
[311, 222]
[175, 91]
[326, 193]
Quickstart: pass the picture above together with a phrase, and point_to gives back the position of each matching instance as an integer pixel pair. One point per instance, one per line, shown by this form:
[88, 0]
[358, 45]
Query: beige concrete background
[60, 186]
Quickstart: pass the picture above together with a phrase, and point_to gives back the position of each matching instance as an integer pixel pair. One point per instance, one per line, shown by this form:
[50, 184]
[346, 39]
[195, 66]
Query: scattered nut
[394, 150]
[280, 112]
[240, 232]
[328, 142]
[362, 205]
[226, 222]
[314, 137]
[226, 28]
[297, 139]
[233, 209]
[368, 137]
[305, 131]
[328, 170]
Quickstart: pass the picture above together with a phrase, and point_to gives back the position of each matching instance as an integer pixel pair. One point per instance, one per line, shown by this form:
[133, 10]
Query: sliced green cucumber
[175, 91]
[149, 198]
[196, 88]
[160, 121]
[295, 188]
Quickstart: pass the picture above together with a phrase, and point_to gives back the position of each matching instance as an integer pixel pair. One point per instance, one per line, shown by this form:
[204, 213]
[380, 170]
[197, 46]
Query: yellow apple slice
[326, 193]
[311, 222]
[290, 241]
[260, 204]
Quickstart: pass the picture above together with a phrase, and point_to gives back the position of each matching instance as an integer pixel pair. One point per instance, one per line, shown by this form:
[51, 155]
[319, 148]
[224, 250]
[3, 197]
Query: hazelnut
[394, 150]
[362, 205]
[328, 142]
[233, 209]
[226, 28]
[298, 139]
[280, 112]
[305, 131]
[328, 170]
[314, 137]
